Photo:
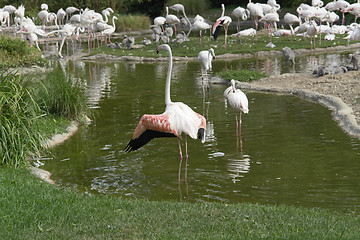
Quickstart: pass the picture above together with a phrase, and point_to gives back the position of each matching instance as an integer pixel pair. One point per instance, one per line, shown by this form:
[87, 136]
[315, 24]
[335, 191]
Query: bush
[15, 52]
[131, 22]
[191, 7]
[18, 111]
[62, 96]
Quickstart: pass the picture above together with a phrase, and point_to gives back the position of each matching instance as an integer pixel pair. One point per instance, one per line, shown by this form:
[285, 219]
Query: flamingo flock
[66, 23]
[97, 27]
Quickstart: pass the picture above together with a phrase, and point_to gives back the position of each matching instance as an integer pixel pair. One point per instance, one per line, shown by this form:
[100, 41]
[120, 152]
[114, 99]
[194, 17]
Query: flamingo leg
[181, 157]
[186, 158]
[225, 28]
[207, 82]
[240, 125]
[237, 126]
[67, 48]
[73, 46]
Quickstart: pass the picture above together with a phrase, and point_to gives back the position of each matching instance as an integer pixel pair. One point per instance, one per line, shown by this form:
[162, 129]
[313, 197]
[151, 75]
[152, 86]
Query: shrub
[14, 52]
[18, 111]
[191, 7]
[131, 22]
[62, 96]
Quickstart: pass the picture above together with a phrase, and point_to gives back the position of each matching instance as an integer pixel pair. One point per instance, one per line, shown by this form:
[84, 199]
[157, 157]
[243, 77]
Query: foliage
[18, 113]
[130, 22]
[191, 7]
[15, 52]
[241, 75]
[62, 97]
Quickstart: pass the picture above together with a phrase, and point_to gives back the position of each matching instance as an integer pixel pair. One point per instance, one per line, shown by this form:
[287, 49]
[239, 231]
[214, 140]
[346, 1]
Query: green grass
[248, 45]
[32, 209]
[241, 75]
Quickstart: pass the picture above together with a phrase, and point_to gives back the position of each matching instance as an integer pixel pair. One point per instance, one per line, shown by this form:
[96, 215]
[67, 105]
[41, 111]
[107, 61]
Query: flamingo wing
[149, 127]
[217, 27]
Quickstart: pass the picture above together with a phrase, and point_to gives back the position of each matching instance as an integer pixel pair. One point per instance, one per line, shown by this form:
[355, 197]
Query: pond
[292, 152]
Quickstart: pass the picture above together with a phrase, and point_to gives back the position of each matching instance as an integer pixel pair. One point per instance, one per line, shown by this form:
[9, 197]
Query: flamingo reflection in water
[205, 58]
[239, 102]
[178, 118]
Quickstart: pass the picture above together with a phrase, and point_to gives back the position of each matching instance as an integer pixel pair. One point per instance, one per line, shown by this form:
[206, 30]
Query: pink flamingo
[222, 21]
[178, 118]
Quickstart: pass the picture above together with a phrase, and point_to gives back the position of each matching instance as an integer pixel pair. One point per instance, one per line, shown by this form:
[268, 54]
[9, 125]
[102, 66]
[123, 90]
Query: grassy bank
[32, 209]
[32, 111]
[241, 75]
[15, 52]
[248, 45]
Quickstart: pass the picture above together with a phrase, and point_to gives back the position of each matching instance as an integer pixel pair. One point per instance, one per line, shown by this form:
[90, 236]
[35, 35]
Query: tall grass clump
[15, 52]
[18, 113]
[62, 96]
[241, 75]
[191, 7]
[129, 22]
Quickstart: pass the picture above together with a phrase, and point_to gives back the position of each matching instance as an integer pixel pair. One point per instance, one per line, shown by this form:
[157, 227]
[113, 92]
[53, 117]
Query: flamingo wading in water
[178, 118]
[239, 102]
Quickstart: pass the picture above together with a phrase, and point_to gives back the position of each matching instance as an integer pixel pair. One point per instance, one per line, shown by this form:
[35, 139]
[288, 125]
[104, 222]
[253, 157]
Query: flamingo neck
[209, 58]
[233, 85]
[223, 10]
[167, 11]
[113, 21]
[168, 79]
[187, 18]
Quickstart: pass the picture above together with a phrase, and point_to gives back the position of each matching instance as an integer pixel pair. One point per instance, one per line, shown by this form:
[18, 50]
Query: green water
[292, 152]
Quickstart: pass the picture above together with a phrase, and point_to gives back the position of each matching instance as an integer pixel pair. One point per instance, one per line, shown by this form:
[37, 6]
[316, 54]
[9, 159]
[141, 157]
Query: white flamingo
[110, 30]
[239, 102]
[178, 118]
[69, 11]
[342, 4]
[240, 13]
[171, 19]
[205, 58]
[180, 8]
[43, 15]
[291, 19]
[256, 12]
[61, 16]
[201, 26]
[160, 21]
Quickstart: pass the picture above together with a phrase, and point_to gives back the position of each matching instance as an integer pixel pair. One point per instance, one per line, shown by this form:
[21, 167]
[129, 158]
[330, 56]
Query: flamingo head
[163, 47]
[211, 51]
[232, 82]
